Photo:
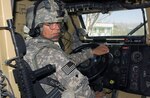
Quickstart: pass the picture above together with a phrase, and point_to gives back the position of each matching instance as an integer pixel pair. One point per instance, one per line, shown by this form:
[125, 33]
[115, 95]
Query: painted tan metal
[71, 30]
[148, 18]
[6, 45]
[20, 15]
[127, 95]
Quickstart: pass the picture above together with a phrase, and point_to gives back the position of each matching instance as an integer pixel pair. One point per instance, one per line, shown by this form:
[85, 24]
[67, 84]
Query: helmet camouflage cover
[47, 11]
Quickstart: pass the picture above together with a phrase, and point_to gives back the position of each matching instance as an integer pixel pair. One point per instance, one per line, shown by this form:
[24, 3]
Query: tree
[90, 20]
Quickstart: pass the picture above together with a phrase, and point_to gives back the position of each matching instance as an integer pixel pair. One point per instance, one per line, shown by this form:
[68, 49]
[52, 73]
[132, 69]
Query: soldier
[98, 88]
[45, 22]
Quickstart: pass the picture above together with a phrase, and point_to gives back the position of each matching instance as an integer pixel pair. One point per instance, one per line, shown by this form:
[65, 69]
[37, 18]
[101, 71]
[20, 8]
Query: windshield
[117, 23]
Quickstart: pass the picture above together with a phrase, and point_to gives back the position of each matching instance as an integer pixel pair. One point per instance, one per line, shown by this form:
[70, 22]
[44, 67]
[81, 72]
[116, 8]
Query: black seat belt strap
[55, 93]
[53, 83]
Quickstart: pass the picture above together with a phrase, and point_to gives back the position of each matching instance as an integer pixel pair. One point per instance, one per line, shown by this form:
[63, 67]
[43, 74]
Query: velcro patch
[68, 68]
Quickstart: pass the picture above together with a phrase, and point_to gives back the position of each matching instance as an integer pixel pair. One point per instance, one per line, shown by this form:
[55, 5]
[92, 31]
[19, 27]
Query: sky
[130, 16]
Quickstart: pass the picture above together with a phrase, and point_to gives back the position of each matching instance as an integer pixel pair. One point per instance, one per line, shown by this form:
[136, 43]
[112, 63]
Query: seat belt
[52, 82]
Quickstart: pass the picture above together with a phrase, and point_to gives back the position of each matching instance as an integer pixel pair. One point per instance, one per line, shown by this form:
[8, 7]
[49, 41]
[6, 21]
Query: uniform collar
[40, 39]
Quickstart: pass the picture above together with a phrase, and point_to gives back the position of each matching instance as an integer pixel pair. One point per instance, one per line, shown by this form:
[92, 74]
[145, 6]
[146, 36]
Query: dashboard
[129, 70]
[126, 68]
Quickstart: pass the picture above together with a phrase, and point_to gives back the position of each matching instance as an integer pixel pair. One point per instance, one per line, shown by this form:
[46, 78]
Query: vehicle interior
[126, 67]
[123, 25]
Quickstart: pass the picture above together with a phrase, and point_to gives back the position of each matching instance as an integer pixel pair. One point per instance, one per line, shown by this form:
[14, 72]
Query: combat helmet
[47, 11]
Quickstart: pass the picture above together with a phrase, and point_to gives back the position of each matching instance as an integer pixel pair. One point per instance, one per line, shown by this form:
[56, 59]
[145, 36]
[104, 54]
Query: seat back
[20, 44]
[28, 80]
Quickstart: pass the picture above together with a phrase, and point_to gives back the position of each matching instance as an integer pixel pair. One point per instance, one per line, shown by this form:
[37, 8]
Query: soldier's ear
[35, 32]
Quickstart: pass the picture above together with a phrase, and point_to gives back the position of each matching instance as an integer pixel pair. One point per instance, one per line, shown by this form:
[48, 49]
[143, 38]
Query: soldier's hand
[100, 50]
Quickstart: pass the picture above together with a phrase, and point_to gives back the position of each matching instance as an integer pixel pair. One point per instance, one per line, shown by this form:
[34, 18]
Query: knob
[137, 57]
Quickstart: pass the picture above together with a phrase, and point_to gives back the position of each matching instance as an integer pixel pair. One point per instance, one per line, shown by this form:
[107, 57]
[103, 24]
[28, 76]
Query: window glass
[115, 23]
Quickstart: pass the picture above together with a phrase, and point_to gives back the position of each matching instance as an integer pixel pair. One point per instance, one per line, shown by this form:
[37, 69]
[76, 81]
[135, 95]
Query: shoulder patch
[68, 68]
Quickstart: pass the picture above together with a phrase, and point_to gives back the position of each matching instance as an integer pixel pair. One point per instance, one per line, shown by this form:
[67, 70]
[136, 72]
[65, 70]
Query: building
[102, 29]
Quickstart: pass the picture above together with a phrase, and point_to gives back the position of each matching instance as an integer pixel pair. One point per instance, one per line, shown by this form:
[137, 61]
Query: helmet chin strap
[61, 42]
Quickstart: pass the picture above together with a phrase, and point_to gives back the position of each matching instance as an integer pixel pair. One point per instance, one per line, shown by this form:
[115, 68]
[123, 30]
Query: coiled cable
[3, 91]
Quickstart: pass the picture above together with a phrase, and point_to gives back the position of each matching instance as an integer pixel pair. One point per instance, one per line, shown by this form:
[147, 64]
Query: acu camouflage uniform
[41, 52]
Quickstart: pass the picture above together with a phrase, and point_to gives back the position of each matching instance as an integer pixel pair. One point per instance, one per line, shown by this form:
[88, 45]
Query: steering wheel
[93, 67]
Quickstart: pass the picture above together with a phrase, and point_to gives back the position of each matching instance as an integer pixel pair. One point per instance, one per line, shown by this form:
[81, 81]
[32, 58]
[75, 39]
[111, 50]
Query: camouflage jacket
[41, 52]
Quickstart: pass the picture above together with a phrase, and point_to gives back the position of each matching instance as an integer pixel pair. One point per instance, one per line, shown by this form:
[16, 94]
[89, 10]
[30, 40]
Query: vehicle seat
[28, 80]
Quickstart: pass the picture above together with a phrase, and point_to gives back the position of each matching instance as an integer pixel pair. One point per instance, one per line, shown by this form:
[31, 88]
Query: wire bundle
[3, 91]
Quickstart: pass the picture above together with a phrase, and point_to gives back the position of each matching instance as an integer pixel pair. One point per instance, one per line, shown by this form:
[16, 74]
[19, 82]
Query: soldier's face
[51, 31]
